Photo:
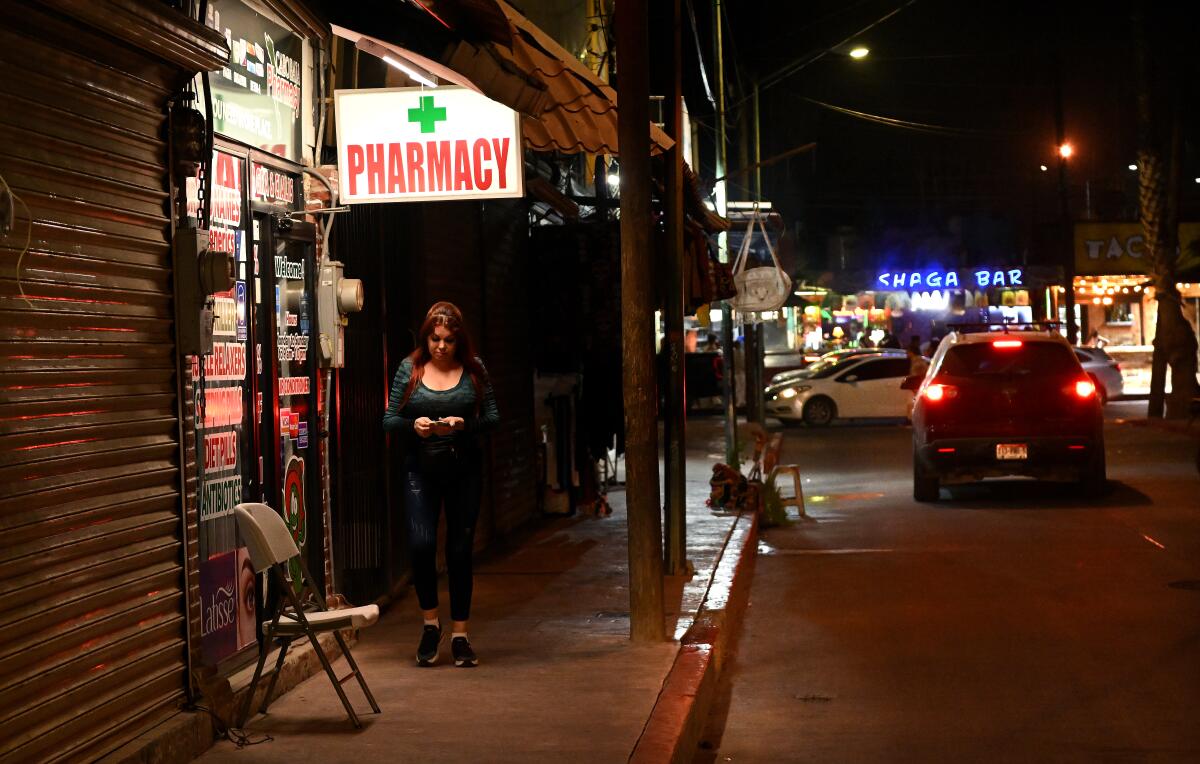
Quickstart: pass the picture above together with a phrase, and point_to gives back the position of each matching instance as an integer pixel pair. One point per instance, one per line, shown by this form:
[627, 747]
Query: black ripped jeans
[451, 479]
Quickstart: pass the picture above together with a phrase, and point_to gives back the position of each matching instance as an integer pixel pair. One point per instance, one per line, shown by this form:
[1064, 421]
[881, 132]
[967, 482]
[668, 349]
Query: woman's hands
[424, 426]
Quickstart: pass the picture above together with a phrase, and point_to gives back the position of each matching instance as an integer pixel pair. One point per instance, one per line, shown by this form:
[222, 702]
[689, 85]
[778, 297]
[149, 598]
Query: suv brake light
[939, 392]
[1007, 344]
[1085, 388]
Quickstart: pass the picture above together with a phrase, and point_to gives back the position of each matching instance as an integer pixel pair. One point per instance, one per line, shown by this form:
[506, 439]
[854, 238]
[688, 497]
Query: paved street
[1008, 622]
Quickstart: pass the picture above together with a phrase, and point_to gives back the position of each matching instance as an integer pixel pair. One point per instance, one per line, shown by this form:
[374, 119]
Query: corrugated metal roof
[564, 105]
[581, 112]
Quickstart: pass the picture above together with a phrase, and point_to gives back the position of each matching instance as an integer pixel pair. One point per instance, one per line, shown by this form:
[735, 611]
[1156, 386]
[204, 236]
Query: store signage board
[1118, 249]
[426, 144]
[972, 278]
[257, 95]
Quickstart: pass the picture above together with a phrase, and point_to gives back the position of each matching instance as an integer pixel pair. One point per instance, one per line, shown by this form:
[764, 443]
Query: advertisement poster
[221, 385]
[247, 586]
[257, 95]
[218, 608]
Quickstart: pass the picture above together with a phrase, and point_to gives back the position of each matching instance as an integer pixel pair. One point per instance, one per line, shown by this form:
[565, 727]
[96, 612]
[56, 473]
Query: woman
[441, 399]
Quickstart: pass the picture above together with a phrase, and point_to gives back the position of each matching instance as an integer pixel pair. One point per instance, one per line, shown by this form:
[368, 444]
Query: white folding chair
[271, 546]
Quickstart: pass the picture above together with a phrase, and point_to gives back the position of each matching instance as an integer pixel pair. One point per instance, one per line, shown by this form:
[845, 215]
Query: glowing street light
[1133, 167]
[1066, 150]
[859, 52]
[1043, 167]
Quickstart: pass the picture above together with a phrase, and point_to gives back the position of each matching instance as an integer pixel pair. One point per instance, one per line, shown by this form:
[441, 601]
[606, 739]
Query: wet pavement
[558, 678]
[1010, 621]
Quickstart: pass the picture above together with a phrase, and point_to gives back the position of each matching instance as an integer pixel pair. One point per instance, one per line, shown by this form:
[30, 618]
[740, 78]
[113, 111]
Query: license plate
[1006, 451]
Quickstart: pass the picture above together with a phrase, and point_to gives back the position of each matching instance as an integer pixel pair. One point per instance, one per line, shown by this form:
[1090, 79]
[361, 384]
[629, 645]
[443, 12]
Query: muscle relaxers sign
[416, 144]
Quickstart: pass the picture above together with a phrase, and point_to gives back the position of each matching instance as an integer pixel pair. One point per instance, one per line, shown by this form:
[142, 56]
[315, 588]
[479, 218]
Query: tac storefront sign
[971, 278]
[418, 144]
[1115, 249]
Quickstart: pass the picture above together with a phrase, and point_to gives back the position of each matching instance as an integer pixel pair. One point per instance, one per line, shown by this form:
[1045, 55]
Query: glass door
[286, 352]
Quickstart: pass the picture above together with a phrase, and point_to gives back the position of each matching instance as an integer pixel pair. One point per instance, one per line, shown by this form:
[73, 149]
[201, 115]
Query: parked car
[858, 386]
[779, 363]
[827, 359]
[1104, 372]
[1006, 403]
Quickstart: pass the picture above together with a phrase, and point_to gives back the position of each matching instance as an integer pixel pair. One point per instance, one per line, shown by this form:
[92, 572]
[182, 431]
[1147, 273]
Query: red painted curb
[673, 730]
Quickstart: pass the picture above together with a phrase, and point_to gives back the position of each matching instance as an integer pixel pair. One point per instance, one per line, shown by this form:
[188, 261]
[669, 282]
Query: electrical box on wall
[336, 298]
[199, 273]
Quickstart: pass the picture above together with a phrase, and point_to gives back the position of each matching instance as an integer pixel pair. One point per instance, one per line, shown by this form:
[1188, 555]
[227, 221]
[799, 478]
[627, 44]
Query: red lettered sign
[414, 144]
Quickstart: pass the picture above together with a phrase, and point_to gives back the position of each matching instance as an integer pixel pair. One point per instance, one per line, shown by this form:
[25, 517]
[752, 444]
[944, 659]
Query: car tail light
[1007, 344]
[939, 392]
[1117, 366]
[1085, 388]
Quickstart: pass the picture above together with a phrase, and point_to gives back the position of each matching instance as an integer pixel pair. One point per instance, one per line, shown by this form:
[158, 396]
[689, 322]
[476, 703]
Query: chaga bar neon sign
[979, 278]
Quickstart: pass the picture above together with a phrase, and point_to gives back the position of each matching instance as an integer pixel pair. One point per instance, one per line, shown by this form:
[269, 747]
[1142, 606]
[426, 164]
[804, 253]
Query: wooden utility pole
[728, 391]
[637, 330]
[757, 388]
[1066, 238]
[676, 414]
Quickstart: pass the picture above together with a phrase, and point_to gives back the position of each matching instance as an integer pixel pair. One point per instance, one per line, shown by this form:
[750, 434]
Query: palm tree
[1159, 176]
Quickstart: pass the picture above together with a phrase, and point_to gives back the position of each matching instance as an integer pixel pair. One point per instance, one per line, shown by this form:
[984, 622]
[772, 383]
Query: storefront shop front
[867, 309]
[256, 396]
[94, 628]
[1114, 294]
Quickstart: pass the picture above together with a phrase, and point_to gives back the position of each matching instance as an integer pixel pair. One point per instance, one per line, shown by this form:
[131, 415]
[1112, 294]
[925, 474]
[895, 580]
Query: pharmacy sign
[425, 144]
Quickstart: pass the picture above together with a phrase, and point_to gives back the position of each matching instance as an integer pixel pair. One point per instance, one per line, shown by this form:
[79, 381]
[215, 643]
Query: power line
[768, 161]
[700, 55]
[788, 70]
[921, 127]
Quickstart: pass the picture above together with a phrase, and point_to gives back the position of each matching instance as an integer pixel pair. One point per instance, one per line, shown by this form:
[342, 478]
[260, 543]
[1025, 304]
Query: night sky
[982, 75]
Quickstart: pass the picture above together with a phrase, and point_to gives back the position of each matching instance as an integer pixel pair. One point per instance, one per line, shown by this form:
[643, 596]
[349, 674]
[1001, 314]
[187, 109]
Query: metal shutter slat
[92, 613]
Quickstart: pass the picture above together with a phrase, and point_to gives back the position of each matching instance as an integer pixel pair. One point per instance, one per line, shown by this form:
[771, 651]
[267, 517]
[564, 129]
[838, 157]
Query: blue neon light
[980, 278]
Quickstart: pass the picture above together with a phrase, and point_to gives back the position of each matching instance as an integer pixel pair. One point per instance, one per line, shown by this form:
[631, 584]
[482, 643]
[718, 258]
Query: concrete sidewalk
[558, 677]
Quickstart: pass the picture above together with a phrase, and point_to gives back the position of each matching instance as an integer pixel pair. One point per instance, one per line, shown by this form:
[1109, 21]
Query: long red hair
[448, 315]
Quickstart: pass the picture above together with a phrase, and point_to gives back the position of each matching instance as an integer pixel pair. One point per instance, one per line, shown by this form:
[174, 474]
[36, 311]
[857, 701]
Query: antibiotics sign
[418, 144]
[977, 278]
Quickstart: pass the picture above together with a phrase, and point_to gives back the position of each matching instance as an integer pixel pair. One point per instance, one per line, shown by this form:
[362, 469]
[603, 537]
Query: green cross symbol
[428, 115]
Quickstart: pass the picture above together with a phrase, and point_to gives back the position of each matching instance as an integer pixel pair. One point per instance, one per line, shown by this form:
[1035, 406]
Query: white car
[830, 358]
[1104, 372]
[863, 386]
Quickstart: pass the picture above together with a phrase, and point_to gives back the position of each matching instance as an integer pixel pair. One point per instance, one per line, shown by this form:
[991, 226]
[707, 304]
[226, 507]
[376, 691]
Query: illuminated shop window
[1118, 313]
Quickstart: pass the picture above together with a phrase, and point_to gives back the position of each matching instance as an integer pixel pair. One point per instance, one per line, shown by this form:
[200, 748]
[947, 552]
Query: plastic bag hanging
[760, 288]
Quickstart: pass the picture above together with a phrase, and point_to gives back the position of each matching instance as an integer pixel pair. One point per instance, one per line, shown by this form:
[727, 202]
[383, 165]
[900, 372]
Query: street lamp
[1066, 150]
[1133, 167]
[859, 52]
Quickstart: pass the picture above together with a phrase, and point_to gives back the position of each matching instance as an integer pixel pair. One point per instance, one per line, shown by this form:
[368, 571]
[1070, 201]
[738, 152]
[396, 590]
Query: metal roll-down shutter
[92, 610]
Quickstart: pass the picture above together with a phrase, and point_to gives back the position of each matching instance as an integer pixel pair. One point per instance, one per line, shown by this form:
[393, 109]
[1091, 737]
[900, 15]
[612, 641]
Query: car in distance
[826, 360]
[1001, 403]
[860, 386]
[1104, 371]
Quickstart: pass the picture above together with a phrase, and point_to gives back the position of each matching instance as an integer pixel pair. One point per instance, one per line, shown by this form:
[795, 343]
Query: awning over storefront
[565, 106]
[581, 113]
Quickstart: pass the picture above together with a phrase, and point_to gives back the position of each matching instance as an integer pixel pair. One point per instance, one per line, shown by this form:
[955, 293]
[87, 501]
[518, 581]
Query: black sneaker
[427, 651]
[464, 656]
